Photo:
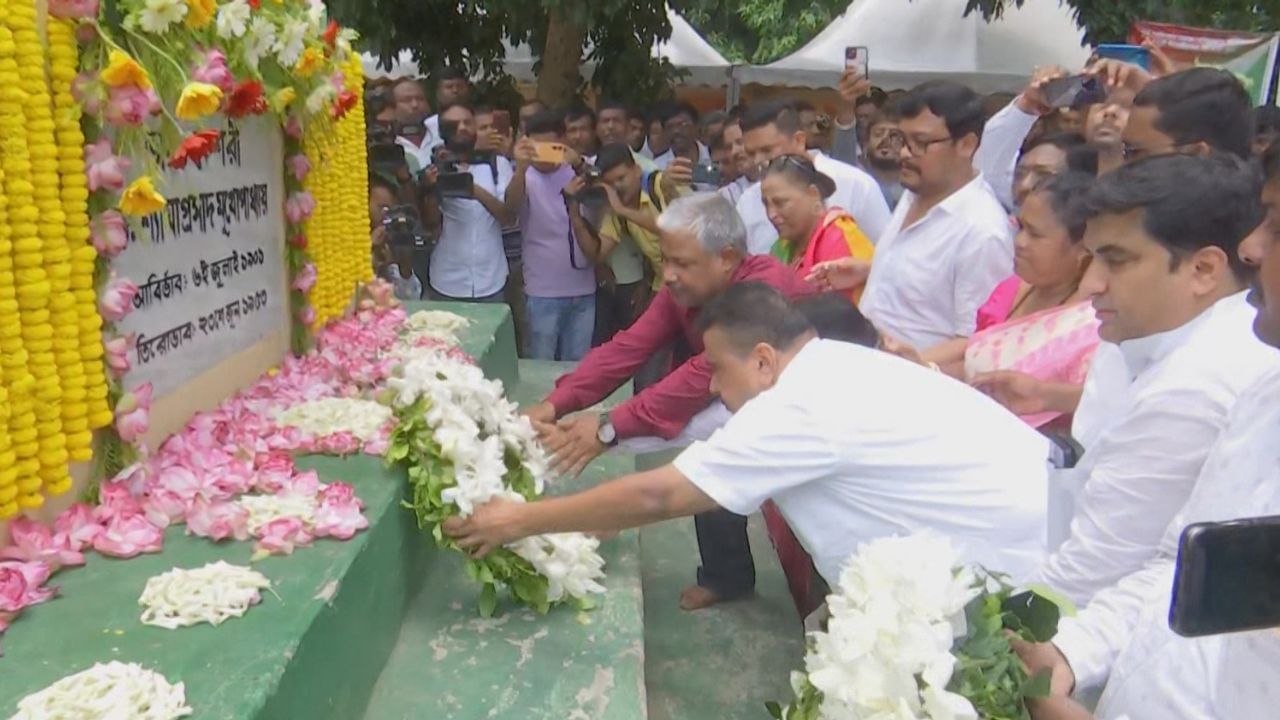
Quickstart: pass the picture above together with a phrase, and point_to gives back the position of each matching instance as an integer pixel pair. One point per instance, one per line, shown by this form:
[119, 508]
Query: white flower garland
[210, 594]
[104, 691]
[439, 325]
[887, 650]
[264, 509]
[474, 426]
[364, 419]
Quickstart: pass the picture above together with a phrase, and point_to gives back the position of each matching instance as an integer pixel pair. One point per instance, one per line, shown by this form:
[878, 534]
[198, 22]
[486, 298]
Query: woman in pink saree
[1036, 327]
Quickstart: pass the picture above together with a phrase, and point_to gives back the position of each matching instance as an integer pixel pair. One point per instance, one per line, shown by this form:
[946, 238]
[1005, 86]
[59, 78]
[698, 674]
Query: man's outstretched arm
[630, 501]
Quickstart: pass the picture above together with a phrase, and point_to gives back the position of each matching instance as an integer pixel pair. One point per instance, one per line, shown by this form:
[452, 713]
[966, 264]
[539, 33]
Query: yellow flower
[283, 98]
[200, 12]
[123, 70]
[141, 198]
[311, 61]
[199, 100]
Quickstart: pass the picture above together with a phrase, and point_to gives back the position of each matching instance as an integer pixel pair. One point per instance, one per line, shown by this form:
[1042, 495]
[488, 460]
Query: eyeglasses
[915, 146]
[799, 162]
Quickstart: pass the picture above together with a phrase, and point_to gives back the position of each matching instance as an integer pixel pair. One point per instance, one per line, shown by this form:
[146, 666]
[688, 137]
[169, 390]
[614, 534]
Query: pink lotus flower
[130, 105]
[274, 473]
[293, 127]
[306, 483]
[218, 521]
[163, 507]
[117, 297]
[377, 447]
[300, 166]
[299, 207]
[117, 350]
[339, 513]
[73, 9]
[305, 279]
[76, 527]
[214, 71]
[133, 414]
[105, 169]
[115, 501]
[20, 585]
[87, 91]
[110, 234]
[129, 535]
[343, 443]
[280, 537]
[307, 315]
[35, 542]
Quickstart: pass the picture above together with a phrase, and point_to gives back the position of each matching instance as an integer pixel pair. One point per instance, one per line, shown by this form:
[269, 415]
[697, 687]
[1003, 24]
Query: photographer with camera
[398, 238]
[463, 185]
[559, 249]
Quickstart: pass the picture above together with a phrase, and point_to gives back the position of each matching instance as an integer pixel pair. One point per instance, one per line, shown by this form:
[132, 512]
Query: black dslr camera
[452, 182]
[593, 193]
[402, 229]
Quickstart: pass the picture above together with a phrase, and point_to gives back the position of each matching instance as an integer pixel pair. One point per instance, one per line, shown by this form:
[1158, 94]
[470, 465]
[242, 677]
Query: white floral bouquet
[463, 444]
[914, 635]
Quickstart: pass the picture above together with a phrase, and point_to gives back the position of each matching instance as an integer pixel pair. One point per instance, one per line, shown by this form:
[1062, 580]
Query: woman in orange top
[808, 232]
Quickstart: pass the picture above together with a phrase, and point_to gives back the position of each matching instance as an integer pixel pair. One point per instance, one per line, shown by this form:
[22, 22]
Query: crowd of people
[1049, 333]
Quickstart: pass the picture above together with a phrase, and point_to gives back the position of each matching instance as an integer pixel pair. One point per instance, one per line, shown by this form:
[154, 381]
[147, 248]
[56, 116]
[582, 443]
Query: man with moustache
[884, 146]
[949, 241]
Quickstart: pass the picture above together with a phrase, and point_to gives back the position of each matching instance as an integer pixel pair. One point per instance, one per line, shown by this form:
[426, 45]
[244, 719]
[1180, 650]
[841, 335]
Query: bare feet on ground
[696, 597]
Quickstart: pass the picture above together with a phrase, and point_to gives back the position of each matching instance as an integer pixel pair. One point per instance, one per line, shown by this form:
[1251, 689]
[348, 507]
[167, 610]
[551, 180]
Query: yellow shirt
[619, 231]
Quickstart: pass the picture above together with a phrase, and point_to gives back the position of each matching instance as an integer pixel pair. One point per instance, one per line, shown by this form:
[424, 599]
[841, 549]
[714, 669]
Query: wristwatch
[607, 435]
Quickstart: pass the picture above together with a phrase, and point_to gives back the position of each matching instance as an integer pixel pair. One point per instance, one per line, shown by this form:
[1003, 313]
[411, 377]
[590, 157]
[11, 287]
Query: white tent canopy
[686, 49]
[912, 42]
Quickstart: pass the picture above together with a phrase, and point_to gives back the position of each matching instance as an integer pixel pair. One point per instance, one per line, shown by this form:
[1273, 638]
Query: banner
[1250, 56]
[210, 266]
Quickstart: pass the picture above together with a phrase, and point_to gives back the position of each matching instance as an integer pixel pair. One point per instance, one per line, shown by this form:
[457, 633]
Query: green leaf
[1066, 608]
[775, 710]
[488, 600]
[1036, 616]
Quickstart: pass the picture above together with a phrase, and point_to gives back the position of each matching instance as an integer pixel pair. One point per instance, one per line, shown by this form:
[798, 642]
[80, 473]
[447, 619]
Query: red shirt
[662, 409]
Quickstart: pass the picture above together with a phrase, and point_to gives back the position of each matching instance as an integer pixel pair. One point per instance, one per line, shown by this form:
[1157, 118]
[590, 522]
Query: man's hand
[853, 86]
[843, 274]
[488, 141]
[1120, 74]
[543, 412]
[491, 526]
[572, 158]
[430, 176]
[1032, 100]
[576, 445]
[525, 152]
[679, 173]
[1161, 63]
[1046, 657]
[1019, 392]
[615, 202]
[903, 350]
[573, 189]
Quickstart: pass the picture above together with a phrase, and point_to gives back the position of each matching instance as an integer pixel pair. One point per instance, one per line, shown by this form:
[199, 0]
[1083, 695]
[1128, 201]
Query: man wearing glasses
[948, 244]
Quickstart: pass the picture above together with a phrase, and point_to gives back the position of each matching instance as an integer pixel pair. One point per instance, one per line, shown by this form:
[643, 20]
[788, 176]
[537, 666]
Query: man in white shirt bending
[1167, 282]
[949, 242]
[1123, 637]
[951, 460]
[771, 130]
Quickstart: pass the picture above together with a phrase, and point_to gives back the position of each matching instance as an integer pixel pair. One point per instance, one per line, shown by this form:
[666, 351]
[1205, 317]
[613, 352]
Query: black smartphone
[1075, 91]
[706, 173]
[1227, 578]
[455, 185]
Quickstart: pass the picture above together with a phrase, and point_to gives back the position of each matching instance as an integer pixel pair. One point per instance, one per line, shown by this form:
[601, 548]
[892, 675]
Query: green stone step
[451, 664]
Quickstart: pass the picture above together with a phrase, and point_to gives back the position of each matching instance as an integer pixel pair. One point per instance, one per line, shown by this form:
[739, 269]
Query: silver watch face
[606, 434]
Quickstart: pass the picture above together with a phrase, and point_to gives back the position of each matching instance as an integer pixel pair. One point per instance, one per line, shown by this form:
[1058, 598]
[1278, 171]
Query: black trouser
[727, 568]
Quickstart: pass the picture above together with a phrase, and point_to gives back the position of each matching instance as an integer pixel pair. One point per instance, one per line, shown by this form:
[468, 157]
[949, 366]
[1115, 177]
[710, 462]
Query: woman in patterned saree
[1036, 324]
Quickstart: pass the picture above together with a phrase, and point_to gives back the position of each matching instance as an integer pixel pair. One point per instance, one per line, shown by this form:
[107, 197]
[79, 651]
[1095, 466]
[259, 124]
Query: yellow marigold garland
[338, 231]
[84, 406]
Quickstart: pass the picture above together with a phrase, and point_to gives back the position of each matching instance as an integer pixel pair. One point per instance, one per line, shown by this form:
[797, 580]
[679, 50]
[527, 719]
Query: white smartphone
[856, 58]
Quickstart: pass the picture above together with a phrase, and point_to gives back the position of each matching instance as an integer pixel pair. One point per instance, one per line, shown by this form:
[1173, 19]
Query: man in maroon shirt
[704, 251]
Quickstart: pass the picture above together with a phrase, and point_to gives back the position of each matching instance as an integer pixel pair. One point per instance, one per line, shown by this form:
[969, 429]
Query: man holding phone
[558, 258]
[1124, 633]
[469, 263]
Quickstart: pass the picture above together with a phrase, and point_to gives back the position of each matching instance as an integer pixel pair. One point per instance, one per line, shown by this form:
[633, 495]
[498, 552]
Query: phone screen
[1227, 578]
[1074, 92]
[1135, 54]
[546, 152]
[855, 58]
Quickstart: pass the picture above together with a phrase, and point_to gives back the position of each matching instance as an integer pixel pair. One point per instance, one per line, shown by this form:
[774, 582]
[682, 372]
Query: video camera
[386, 157]
[452, 182]
[403, 229]
[593, 194]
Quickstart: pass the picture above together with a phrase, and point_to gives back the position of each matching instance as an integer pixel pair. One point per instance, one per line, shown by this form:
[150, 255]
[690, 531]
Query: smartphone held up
[857, 59]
